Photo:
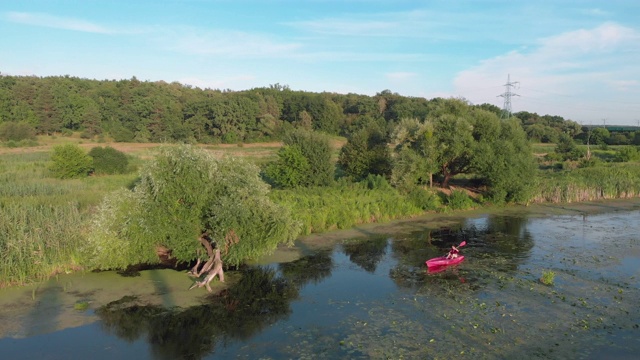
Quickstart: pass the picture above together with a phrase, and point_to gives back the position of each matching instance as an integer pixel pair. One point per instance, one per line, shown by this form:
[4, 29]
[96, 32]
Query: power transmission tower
[506, 108]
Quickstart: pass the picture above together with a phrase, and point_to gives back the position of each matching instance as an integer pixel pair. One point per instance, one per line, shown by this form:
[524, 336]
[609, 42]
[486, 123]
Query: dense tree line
[141, 111]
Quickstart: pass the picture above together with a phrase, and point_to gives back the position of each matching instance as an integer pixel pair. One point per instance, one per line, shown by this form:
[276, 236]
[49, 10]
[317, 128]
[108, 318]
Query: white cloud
[56, 22]
[577, 75]
[230, 44]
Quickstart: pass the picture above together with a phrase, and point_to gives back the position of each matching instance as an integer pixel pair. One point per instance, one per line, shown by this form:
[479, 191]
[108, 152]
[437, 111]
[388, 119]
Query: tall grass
[344, 206]
[588, 184]
[43, 221]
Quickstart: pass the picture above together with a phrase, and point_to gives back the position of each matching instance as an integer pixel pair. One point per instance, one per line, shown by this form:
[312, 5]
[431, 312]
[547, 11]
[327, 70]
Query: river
[366, 293]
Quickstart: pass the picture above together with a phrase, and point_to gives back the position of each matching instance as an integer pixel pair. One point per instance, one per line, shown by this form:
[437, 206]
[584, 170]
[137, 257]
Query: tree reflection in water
[311, 268]
[258, 299]
[366, 253]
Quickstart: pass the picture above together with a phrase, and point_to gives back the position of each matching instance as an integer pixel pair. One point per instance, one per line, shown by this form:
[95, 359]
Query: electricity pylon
[506, 108]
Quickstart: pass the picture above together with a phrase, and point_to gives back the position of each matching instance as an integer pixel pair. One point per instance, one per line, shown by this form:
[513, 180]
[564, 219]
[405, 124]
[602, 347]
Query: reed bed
[43, 221]
[321, 209]
[589, 184]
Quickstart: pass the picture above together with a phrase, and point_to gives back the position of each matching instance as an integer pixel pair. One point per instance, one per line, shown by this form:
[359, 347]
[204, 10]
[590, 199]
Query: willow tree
[185, 195]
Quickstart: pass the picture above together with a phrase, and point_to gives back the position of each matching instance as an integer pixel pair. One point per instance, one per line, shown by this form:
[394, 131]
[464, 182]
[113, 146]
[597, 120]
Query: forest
[141, 111]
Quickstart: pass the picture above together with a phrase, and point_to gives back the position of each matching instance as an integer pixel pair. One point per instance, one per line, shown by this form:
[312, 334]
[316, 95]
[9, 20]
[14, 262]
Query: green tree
[415, 154]
[453, 130]
[109, 161]
[290, 170]
[503, 159]
[316, 149]
[69, 161]
[366, 152]
[183, 194]
[599, 136]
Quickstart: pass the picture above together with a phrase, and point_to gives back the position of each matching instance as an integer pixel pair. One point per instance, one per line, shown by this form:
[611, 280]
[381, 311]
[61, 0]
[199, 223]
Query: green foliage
[459, 200]
[376, 182]
[627, 153]
[317, 151]
[593, 161]
[415, 153]
[424, 199]
[590, 183]
[599, 136]
[565, 144]
[340, 207]
[43, 221]
[548, 277]
[69, 161]
[503, 159]
[12, 131]
[290, 170]
[183, 192]
[365, 153]
[109, 161]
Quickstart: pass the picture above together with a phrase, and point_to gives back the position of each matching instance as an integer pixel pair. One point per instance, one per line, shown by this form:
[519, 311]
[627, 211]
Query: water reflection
[259, 299]
[366, 253]
[312, 268]
[503, 238]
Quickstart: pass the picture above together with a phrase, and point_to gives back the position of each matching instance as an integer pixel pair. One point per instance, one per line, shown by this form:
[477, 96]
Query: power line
[506, 109]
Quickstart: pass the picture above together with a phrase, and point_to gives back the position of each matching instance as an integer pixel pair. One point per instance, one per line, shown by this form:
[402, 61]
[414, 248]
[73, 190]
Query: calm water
[366, 293]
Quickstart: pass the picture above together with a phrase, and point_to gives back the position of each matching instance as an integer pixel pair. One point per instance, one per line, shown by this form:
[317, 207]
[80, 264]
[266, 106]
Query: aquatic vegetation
[81, 305]
[548, 277]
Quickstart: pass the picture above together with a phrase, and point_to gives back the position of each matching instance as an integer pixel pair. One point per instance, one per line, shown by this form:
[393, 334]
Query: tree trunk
[207, 266]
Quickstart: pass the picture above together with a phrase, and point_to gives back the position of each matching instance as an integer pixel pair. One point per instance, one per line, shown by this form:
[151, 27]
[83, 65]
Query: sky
[579, 59]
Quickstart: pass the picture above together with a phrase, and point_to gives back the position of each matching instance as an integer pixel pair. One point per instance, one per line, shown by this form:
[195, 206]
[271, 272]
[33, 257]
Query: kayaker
[453, 253]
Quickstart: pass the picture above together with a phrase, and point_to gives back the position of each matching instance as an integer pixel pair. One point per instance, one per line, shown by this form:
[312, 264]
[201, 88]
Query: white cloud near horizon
[56, 22]
[564, 74]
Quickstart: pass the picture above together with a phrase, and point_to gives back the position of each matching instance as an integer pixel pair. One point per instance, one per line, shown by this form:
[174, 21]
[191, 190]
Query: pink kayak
[442, 261]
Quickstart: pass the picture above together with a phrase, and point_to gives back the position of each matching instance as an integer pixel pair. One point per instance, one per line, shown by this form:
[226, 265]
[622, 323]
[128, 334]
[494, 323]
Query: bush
[316, 149]
[108, 161]
[12, 131]
[70, 161]
[459, 200]
[626, 154]
[424, 199]
[376, 182]
[290, 170]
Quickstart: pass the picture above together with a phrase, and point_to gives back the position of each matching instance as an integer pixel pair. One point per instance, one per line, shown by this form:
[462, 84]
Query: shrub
[69, 161]
[627, 153]
[459, 200]
[290, 170]
[109, 161]
[12, 131]
[316, 149]
[376, 182]
[424, 199]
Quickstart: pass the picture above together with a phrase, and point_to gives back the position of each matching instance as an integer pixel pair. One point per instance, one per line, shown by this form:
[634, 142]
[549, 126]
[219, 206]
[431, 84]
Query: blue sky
[578, 59]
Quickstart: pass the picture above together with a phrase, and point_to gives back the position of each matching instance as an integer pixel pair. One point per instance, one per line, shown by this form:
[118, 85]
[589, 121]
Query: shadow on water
[257, 300]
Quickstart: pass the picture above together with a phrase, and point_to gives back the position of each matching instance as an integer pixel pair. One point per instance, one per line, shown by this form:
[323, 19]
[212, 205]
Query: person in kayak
[453, 253]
